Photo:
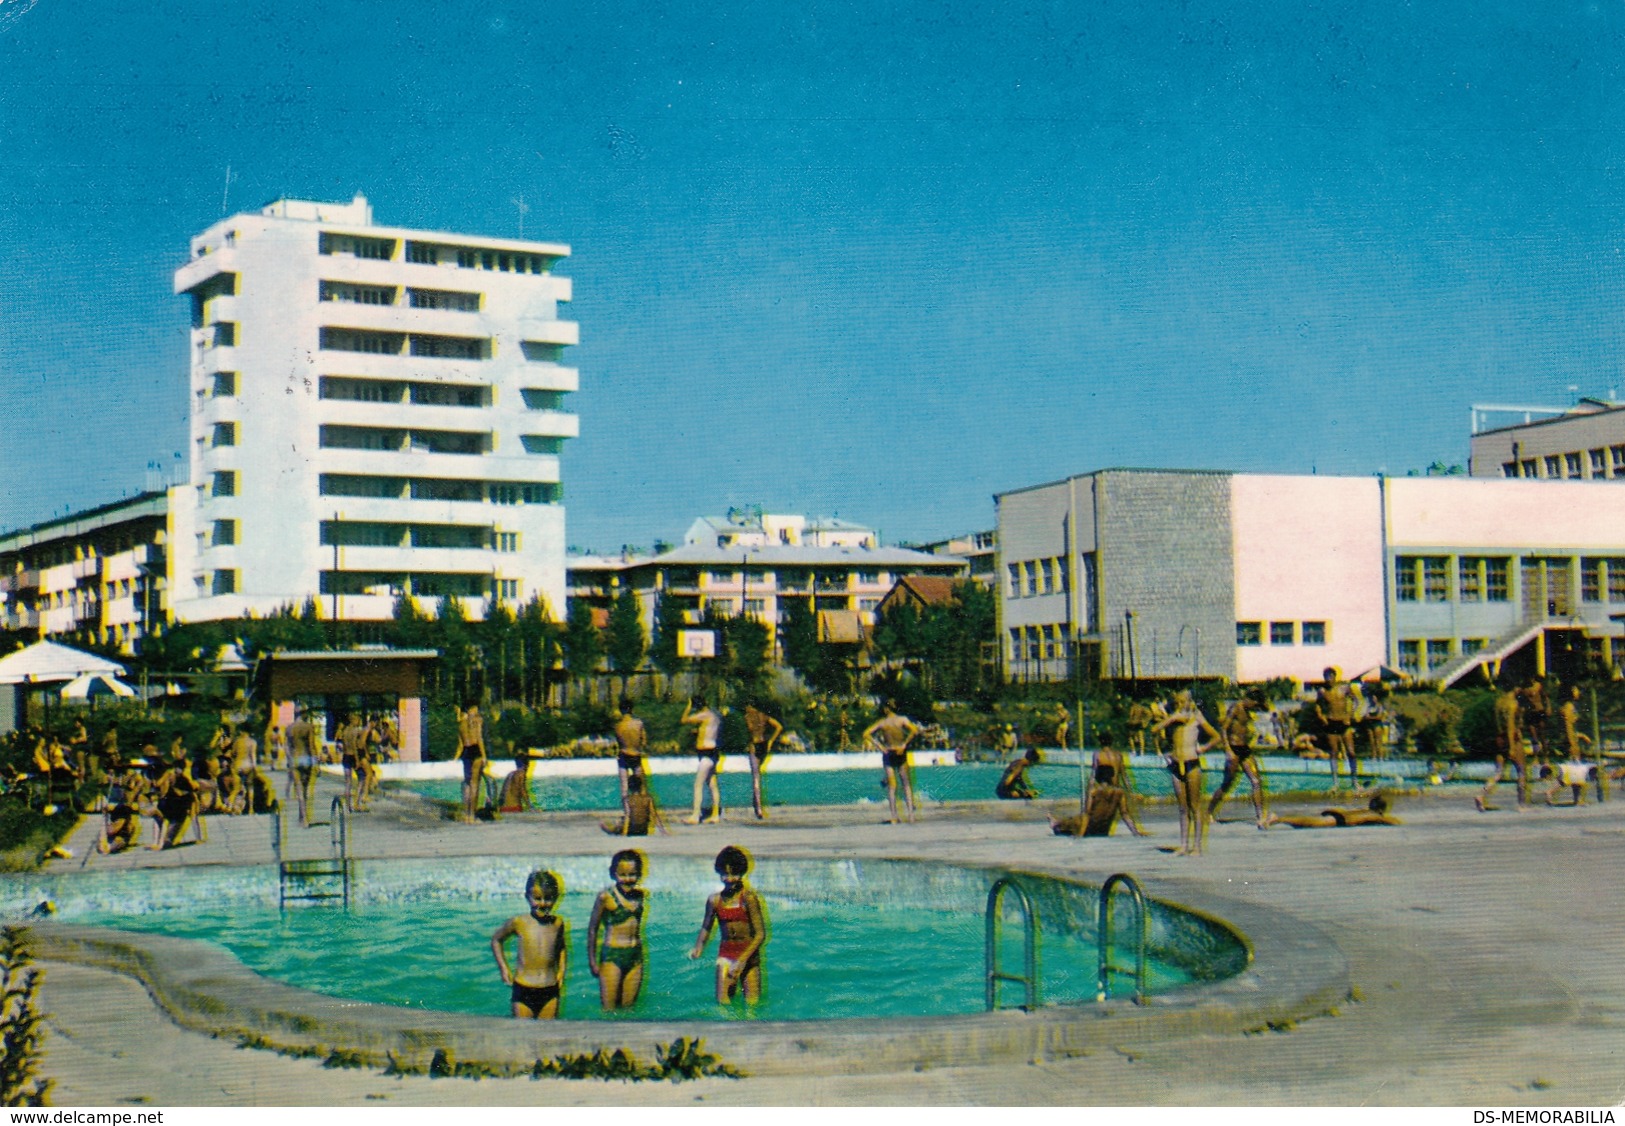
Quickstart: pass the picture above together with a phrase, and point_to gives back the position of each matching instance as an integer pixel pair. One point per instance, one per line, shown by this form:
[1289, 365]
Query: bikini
[1105, 774]
[626, 957]
[732, 948]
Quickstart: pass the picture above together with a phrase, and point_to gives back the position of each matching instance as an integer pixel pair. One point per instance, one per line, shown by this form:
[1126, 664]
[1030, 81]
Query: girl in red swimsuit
[738, 912]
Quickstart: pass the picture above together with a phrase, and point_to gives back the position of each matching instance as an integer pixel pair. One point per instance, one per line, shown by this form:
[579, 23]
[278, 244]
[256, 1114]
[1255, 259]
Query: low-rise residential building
[1585, 442]
[98, 576]
[754, 564]
[1156, 573]
[978, 549]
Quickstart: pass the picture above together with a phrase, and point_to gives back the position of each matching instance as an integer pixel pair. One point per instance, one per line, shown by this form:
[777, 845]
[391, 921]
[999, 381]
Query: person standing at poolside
[352, 737]
[764, 733]
[615, 933]
[737, 911]
[1239, 733]
[890, 735]
[1576, 771]
[1535, 713]
[1185, 727]
[1509, 742]
[707, 725]
[544, 944]
[1063, 724]
[471, 736]
[303, 756]
[1334, 708]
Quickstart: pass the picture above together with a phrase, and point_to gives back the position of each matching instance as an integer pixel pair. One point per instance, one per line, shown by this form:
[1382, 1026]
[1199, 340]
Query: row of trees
[525, 656]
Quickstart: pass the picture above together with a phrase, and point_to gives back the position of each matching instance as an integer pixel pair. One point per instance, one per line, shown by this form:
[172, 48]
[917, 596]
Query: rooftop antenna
[1574, 393]
[226, 194]
[519, 202]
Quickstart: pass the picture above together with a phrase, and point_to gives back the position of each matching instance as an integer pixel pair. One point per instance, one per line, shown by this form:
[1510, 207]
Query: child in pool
[543, 945]
[738, 912]
[615, 933]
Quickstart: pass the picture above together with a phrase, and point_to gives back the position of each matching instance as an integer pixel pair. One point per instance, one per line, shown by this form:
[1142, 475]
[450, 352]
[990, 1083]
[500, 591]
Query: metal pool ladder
[317, 877]
[1029, 920]
[1104, 930]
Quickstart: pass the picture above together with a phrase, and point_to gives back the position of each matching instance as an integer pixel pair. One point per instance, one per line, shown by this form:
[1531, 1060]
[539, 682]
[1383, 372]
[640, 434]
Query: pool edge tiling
[1295, 972]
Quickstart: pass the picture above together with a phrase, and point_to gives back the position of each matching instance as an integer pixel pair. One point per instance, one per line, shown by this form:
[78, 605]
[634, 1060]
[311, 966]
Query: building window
[507, 541]
[1410, 657]
[225, 383]
[1571, 464]
[1528, 467]
[1471, 645]
[449, 347]
[1249, 633]
[454, 301]
[1470, 579]
[358, 294]
[1013, 574]
[1590, 580]
[1062, 577]
[1435, 578]
[225, 434]
[1439, 652]
[1314, 633]
[1616, 580]
[1618, 453]
[1283, 633]
[450, 441]
[382, 249]
[1509, 469]
[1496, 586]
[225, 533]
[356, 485]
[543, 494]
[361, 438]
[868, 578]
[1554, 465]
[1406, 588]
[223, 483]
[459, 536]
[1599, 463]
[360, 390]
[224, 582]
[423, 253]
[450, 395]
[356, 340]
[502, 494]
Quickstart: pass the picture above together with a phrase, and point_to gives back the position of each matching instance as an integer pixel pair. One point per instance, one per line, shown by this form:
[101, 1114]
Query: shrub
[22, 1030]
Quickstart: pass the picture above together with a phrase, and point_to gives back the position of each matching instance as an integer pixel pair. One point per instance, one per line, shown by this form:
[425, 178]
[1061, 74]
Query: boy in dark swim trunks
[1013, 786]
[471, 734]
[890, 735]
[543, 948]
[738, 912]
[632, 741]
[1239, 732]
[615, 933]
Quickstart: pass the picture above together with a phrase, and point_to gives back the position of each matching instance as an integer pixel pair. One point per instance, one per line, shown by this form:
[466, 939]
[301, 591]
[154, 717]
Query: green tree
[625, 639]
[583, 643]
[798, 636]
[668, 619]
[746, 641]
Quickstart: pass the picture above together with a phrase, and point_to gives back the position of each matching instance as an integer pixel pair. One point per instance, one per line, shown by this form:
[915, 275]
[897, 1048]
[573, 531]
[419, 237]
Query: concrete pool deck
[1480, 947]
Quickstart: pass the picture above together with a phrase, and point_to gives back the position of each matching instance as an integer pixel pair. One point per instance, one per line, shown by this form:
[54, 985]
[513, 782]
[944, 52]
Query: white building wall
[1428, 512]
[275, 263]
[1308, 549]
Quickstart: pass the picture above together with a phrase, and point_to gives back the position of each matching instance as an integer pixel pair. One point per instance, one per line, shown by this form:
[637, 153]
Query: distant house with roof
[756, 563]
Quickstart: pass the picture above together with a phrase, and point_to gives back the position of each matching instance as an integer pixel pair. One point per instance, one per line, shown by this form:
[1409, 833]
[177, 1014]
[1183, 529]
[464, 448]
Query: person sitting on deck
[1013, 786]
[516, 786]
[1109, 798]
[640, 812]
[1375, 813]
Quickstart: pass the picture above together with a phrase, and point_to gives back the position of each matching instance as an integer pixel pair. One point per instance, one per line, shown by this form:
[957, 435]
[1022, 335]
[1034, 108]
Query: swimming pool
[847, 939]
[852, 786]
[1284, 969]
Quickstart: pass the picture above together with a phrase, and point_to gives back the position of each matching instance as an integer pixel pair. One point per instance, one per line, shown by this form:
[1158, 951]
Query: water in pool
[963, 782]
[822, 961]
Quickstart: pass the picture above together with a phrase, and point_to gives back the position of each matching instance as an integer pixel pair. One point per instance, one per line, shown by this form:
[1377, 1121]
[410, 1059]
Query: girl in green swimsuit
[615, 933]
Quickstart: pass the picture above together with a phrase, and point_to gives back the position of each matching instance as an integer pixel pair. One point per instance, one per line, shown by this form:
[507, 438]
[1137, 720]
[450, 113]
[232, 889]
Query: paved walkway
[1484, 948]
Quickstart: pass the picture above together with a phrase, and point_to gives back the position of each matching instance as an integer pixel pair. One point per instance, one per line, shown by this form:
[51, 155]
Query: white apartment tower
[375, 411]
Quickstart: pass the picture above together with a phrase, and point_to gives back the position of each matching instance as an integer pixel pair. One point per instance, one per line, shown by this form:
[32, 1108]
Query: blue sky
[879, 260]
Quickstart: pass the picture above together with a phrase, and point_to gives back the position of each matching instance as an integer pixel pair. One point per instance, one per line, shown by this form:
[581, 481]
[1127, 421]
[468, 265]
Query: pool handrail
[1029, 918]
[1103, 930]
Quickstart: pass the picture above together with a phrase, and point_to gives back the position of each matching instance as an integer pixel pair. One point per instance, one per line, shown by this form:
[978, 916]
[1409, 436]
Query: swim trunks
[894, 759]
[1241, 752]
[632, 761]
[534, 997]
[469, 757]
[1183, 770]
[1337, 726]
